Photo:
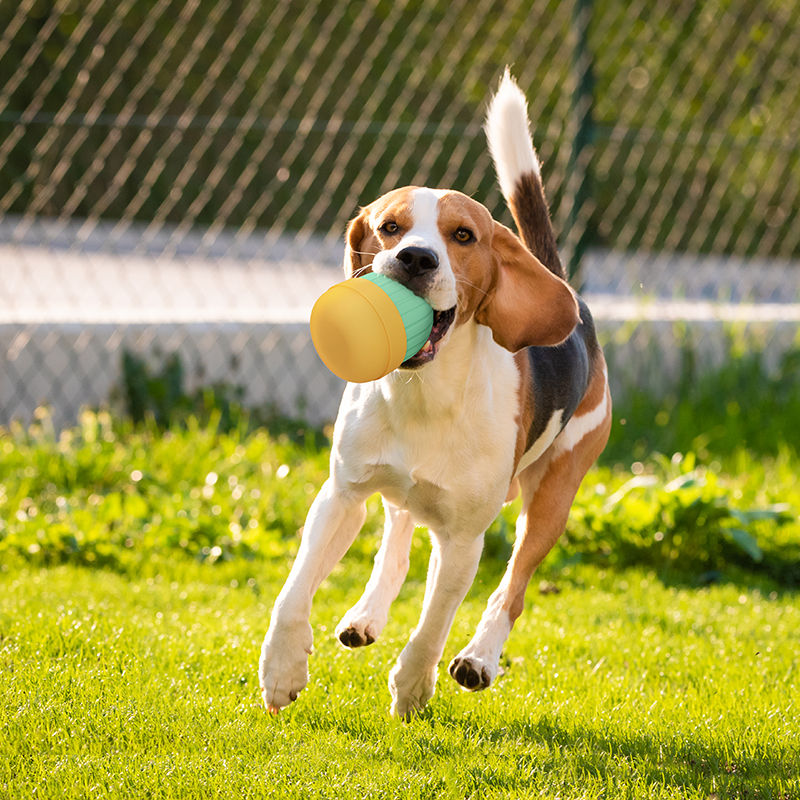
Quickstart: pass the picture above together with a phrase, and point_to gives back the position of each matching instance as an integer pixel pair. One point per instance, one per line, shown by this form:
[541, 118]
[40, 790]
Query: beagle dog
[509, 395]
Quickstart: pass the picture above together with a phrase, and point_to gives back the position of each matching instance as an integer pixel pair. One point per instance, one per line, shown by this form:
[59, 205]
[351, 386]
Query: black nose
[417, 260]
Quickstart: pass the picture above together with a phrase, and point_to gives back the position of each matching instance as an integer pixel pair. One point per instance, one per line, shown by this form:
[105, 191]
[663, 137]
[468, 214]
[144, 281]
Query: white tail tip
[508, 134]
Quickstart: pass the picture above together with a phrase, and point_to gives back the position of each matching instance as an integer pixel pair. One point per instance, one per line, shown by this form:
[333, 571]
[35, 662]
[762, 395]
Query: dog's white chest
[441, 467]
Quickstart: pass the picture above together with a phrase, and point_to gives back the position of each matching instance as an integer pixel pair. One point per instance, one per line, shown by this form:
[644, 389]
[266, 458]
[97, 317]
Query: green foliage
[714, 412]
[126, 497]
[116, 496]
[674, 514]
[154, 393]
[160, 393]
[198, 477]
[692, 100]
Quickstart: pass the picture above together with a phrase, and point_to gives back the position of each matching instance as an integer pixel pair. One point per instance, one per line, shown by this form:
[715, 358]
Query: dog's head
[447, 249]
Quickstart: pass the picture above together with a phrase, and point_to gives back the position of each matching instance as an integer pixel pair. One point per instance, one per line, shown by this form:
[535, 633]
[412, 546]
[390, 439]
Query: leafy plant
[113, 494]
[159, 392]
[154, 392]
[676, 514]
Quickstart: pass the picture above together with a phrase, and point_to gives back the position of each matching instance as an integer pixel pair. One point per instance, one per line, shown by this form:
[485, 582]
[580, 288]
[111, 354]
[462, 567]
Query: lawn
[657, 656]
[615, 685]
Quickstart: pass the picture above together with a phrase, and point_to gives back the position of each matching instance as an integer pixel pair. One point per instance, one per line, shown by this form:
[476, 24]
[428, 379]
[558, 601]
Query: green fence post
[579, 181]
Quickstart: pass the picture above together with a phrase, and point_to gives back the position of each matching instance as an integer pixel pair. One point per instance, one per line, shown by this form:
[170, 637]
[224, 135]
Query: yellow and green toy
[364, 328]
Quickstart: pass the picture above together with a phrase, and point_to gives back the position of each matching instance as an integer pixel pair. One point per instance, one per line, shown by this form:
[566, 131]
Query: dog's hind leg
[332, 524]
[363, 623]
[549, 487]
[545, 509]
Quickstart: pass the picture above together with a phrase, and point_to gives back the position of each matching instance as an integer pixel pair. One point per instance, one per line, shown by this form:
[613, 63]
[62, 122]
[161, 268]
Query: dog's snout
[417, 260]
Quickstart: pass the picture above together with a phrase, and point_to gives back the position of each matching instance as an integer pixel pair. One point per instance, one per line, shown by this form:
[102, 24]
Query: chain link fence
[176, 175]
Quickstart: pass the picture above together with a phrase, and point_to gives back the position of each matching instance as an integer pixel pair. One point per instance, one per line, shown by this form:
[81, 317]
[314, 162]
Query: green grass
[617, 686]
[657, 656]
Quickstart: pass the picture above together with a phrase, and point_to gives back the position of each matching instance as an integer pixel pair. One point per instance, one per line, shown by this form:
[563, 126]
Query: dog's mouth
[442, 320]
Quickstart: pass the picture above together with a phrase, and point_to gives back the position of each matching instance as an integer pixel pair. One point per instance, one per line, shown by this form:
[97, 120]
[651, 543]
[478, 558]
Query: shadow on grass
[523, 757]
[662, 760]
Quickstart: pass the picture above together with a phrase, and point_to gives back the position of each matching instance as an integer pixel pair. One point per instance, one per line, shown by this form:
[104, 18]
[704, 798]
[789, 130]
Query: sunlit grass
[138, 568]
[615, 686]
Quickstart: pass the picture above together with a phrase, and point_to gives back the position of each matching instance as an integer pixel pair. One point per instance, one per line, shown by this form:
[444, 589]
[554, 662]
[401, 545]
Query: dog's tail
[518, 172]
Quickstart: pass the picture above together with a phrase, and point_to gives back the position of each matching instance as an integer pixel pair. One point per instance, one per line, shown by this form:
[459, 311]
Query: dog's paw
[359, 628]
[352, 637]
[472, 673]
[283, 667]
[411, 689]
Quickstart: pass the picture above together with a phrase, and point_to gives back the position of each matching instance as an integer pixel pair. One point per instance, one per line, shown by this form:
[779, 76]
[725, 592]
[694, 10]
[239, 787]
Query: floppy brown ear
[528, 305]
[358, 232]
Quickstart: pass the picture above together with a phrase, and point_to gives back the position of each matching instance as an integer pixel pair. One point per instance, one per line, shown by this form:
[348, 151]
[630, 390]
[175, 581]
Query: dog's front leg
[332, 524]
[452, 569]
[365, 621]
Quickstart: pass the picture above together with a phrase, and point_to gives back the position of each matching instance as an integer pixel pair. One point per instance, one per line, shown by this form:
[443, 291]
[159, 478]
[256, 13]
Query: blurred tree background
[663, 125]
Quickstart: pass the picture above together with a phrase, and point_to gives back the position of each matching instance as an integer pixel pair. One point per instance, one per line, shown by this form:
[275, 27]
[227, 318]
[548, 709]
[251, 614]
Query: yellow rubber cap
[358, 331]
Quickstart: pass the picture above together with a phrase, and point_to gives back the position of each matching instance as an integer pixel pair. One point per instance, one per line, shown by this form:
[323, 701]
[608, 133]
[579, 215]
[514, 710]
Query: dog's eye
[464, 235]
[389, 227]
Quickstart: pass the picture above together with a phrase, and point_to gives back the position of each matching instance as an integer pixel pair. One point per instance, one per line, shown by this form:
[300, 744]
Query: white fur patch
[425, 230]
[578, 427]
[543, 442]
[509, 136]
[441, 293]
[369, 615]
